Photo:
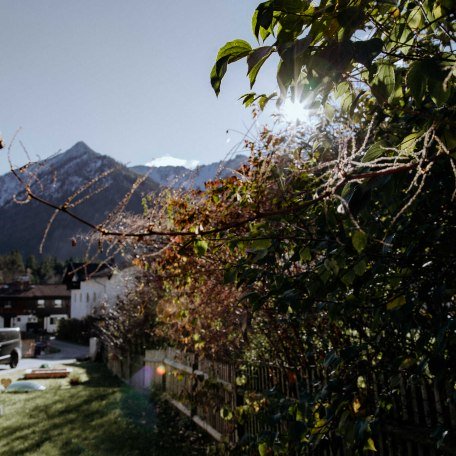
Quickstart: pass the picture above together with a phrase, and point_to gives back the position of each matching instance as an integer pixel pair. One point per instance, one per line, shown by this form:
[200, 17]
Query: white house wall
[85, 300]
[97, 291]
[20, 321]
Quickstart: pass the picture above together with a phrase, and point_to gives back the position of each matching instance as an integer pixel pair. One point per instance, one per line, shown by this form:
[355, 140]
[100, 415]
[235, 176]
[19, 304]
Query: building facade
[92, 286]
[33, 307]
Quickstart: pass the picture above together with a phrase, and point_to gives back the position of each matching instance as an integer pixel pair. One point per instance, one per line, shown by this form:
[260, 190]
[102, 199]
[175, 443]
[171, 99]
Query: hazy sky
[130, 78]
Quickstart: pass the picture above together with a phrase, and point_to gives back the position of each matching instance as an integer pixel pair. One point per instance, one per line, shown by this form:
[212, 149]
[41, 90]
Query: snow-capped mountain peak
[167, 160]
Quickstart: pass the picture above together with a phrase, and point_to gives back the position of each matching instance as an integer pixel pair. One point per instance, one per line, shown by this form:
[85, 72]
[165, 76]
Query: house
[93, 285]
[33, 307]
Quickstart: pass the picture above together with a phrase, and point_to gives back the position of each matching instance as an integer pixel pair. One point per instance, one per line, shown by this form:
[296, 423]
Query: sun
[294, 111]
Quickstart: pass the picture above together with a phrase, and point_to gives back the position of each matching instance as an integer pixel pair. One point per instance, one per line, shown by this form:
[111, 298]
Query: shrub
[77, 331]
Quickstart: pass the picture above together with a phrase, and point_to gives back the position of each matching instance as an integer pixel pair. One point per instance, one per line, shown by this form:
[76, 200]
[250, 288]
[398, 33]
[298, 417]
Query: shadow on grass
[101, 416]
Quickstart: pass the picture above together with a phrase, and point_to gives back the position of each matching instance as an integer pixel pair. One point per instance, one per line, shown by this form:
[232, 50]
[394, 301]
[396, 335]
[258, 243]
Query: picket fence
[419, 411]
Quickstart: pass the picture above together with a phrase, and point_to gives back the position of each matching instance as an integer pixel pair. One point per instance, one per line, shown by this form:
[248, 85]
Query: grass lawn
[101, 416]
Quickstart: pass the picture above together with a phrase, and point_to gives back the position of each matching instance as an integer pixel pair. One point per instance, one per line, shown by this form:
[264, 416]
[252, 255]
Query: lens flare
[161, 370]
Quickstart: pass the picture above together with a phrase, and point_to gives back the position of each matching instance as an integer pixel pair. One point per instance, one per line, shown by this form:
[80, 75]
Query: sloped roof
[76, 273]
[37, 291]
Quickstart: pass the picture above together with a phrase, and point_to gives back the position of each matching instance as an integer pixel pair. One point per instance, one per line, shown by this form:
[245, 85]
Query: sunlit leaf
[370, 445]
[263, 449]
[356, 405]
[201, 247]
[229, 53]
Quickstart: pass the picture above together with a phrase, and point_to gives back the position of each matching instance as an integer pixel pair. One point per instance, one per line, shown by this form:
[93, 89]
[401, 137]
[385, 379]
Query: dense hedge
[77, 331]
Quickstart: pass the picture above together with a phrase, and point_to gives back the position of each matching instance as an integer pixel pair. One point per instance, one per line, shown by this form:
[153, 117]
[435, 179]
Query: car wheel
[14, 360]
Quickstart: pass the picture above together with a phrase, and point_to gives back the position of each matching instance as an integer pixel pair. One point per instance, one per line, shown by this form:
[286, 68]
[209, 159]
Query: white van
[10, 346]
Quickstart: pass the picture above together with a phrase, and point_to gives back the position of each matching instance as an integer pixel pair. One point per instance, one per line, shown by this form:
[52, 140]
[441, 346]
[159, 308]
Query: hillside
[22, 225]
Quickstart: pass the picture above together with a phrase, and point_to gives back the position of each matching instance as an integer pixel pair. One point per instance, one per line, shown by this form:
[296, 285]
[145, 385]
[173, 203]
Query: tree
[394, 60]
[350, 277]
[11, 266]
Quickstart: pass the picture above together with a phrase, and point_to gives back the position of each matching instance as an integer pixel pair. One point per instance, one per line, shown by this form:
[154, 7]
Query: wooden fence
[419, 410]
[180, 375]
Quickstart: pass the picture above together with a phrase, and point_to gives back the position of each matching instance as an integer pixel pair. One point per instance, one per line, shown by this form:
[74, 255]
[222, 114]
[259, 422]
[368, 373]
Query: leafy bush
[77, 331]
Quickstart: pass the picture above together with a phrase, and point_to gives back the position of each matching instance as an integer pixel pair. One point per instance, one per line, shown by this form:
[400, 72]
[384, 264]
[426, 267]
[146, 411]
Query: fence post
[194, 386]
[239, 401]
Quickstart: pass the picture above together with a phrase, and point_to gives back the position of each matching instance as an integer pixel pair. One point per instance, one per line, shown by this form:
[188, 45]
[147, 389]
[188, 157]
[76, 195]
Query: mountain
[22, 225]
[180, 177]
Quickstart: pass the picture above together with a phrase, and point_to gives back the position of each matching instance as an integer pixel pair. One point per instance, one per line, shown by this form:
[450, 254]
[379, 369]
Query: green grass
[99, 417]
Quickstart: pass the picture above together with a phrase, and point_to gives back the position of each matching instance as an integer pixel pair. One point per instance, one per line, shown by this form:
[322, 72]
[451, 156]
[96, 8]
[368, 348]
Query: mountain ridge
[57, 179]
[63, 175]
[186, 178]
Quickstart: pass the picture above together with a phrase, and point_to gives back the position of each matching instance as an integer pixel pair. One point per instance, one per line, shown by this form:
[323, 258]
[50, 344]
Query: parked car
[10, 346]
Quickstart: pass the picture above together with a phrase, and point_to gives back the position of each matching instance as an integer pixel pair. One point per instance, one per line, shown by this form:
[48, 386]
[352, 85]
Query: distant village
[84, 289]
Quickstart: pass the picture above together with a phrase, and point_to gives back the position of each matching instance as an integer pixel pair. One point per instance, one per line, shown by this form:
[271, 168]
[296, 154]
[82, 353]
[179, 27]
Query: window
[57, 303]
[52, 321]
[18, 319]
[40, 302]
[88, 297]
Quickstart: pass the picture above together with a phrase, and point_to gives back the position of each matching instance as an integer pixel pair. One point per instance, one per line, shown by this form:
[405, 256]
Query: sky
[130, 79]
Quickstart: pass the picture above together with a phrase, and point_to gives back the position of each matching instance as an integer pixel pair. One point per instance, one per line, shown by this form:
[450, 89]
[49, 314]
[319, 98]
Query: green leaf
[248, 99]
[263, 449]
[344, 95]
[265, 99]
[366, 51]
[241, 380]
[332, 266]
[360, 267]
[416, 81]
[415, 18]
[255, 61]
[291, 6]
[304, 254]
[384, 83]
[386, 75]
[409, 142]
[370, 445]
[359, 240]
[231, 52]
[217, 73]
[259, 244]
[284, 77]
[226, 413]
[375, 151]
[262, 19]
[348, 277]
[396, 302]
[234, 50]
[436, 88]
[200, 247]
